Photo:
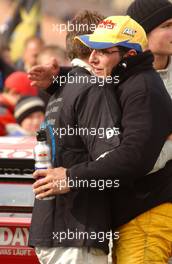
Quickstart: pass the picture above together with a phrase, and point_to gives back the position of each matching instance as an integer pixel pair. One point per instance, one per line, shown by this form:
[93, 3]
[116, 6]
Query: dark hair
[83, 23]
[123, 50]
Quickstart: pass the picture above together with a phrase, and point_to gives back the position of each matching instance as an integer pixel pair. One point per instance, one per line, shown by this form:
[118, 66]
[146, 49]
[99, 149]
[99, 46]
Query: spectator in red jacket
[16, 85]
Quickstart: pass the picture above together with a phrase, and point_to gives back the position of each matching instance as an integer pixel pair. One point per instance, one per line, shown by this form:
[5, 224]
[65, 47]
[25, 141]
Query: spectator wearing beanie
[148, 237]
[150, 14]
[17, 84]
[29, 114]
[155, 16]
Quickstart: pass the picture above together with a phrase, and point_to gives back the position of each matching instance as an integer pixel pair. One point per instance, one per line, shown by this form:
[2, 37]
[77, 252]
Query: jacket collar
[81, 63]
[133, 65]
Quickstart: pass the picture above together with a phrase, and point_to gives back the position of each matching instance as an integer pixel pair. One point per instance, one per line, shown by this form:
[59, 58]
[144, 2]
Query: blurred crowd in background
[28, 37]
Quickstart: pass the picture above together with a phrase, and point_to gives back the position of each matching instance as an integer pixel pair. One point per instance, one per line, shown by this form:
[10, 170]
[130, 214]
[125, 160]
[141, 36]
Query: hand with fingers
[42, 75]
[50, 182]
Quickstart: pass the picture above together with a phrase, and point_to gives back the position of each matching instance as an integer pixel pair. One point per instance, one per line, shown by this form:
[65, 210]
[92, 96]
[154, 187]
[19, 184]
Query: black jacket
[84, 105]
[146, 123]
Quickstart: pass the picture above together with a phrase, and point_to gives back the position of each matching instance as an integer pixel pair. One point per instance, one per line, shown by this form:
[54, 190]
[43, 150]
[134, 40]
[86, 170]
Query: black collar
[133, 65]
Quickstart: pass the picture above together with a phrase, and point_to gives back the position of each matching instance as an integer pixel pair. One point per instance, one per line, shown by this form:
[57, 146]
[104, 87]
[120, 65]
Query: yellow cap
[116, 31]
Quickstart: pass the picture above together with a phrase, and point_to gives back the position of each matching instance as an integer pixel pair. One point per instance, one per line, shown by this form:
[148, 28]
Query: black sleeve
[98, 117]
[144, 126]
[55, 85]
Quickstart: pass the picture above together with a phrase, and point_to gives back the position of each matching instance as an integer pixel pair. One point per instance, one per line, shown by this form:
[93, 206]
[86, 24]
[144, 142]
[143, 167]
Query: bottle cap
[41, 135]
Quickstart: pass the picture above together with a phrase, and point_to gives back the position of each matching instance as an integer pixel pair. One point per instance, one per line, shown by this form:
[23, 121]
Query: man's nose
[93, 57]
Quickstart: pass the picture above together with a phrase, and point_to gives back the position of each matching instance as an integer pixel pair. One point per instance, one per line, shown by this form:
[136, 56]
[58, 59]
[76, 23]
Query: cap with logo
[116, 31]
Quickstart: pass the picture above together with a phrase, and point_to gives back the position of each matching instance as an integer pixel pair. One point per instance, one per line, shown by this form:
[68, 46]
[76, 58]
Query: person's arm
[146, 122]
[144, 128]
[62, 74]
[44, 76]
[94, 110]
[98, 113]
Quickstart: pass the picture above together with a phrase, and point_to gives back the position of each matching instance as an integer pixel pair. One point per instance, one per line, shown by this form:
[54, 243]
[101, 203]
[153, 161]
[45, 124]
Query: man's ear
[130, 53]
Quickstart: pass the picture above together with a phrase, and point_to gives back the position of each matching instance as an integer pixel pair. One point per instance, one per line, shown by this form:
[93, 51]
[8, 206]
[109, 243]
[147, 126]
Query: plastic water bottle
[42, 155]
